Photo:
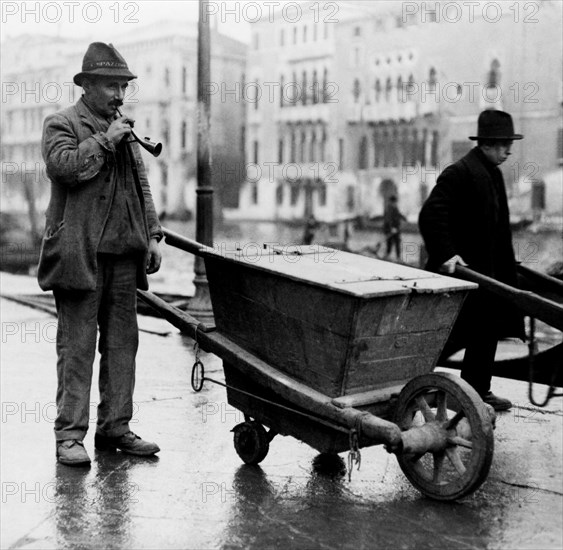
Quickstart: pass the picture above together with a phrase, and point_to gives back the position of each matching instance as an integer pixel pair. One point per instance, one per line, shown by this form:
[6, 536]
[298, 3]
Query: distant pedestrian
[311, 227]
[392, 219]
[465, 221]
[101, 241]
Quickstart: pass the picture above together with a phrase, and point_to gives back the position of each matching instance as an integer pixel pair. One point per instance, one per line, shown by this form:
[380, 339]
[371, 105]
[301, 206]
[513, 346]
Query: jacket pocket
[52, 258]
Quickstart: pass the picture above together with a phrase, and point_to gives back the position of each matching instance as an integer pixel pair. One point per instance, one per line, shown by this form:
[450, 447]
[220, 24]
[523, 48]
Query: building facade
[387, 95]
[37, 80]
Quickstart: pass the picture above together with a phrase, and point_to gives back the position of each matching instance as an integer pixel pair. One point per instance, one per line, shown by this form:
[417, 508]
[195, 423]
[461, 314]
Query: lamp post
[200, 304]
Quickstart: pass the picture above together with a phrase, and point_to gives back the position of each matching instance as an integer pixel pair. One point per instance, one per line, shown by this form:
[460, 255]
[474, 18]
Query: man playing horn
[100, 242]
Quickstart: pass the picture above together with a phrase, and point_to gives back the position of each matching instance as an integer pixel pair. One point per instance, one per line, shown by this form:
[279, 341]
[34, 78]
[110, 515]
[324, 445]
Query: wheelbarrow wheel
[460, 457]
[251, 442]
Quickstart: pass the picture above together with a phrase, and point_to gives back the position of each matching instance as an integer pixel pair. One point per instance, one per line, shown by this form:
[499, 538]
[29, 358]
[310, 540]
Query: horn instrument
[152, 147]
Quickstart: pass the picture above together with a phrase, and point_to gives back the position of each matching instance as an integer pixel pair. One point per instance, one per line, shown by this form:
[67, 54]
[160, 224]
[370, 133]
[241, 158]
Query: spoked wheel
[448, 444]
[252, 442]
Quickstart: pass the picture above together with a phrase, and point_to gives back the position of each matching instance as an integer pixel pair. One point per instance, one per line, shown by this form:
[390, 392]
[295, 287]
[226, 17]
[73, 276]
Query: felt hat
[103, 60]
[495, 125]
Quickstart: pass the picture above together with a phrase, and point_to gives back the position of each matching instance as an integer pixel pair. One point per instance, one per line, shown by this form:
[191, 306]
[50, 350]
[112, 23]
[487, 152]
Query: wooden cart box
[338, 322]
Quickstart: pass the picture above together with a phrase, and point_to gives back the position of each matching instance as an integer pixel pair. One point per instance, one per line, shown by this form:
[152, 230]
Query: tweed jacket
[467, 214]
[81, 165]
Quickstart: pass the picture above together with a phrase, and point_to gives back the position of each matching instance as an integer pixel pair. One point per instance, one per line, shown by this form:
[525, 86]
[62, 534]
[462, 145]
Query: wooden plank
[311, 305]
[383, 359]
[367, 377]
[430, 311]
[389, 346]
[303, 331]
[380, 316]
[311, 354]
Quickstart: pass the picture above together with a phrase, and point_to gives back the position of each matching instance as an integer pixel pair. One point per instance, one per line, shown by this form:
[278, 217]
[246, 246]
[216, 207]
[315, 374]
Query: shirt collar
[491, 167]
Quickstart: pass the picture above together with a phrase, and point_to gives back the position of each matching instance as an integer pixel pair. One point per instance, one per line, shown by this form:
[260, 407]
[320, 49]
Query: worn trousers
[113, 308]
[478, 362]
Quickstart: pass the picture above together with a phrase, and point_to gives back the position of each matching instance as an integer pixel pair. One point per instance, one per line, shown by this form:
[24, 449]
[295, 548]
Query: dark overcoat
[80, 162]
[467, 214]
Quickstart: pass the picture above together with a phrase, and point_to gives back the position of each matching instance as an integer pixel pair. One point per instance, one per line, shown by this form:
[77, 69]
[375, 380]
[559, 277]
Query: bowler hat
[495, 125]
[103, 60]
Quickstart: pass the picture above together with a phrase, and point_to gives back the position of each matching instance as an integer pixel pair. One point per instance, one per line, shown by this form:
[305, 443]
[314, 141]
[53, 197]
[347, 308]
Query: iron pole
[200, 304]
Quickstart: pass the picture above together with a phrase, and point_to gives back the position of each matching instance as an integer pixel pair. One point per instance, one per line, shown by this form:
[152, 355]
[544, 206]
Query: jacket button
[102, 197]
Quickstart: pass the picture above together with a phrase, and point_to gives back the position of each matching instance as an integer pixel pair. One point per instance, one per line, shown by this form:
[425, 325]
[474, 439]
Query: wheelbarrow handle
[533, 305]
[183, 243]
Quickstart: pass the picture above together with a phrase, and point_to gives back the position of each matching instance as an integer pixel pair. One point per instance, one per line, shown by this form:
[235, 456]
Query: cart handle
[533, 305]
[183, 243]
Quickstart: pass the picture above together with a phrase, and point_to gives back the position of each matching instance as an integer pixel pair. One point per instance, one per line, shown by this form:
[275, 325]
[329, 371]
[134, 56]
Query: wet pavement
[196, 494]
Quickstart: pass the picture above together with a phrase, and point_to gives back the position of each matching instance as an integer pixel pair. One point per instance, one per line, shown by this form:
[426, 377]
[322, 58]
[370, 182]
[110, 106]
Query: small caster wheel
[251, 442]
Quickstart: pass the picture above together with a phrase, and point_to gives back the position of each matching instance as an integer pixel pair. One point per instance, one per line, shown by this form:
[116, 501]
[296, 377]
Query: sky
[103, 20]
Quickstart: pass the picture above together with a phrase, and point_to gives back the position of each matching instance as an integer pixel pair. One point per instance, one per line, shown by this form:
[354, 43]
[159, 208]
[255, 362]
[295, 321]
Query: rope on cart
[532, 349]
[354, 456]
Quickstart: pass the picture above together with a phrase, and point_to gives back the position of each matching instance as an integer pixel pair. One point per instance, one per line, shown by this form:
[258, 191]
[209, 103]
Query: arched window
[282, 82]
[386, 146]
[325, 86]
[405, 146]
[322, 194]
[410, 89]
[315, 88]
[377, 90]
[422, 147]
[400, 97]
[387, 188]
[388, 88]
[493, 79]
[279, 194]
[434, 149]
[363, 159]
[376, 147]
[432, 79]
[304, 89]
[280, 151]
[323, 146]
[413, 147]
[183, 136]
[313, 147]
[356, 90]
[395, 147]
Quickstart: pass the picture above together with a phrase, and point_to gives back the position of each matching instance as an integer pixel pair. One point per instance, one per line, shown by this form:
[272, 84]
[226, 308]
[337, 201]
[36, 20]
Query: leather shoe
[498, 403]
[72, 453]
[128, 443]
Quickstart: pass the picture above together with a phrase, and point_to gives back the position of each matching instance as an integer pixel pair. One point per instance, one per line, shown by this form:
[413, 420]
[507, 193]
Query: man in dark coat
[100, 242]
[465, 221]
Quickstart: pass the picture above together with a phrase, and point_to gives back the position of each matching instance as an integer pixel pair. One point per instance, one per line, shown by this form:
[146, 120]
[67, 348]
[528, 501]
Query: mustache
[116, 103]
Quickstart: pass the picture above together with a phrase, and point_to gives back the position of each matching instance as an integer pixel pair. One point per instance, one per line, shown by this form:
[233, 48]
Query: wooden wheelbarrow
[337, 350]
